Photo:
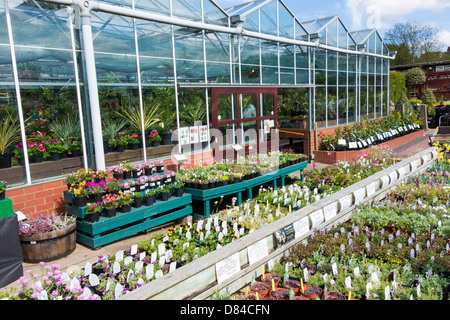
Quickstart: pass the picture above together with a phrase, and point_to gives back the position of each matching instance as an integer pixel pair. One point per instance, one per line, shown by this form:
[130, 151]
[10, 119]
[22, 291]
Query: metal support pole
[93, 88]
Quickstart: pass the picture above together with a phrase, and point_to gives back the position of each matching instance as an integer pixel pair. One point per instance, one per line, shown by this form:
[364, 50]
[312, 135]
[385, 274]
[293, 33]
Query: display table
[205, 196]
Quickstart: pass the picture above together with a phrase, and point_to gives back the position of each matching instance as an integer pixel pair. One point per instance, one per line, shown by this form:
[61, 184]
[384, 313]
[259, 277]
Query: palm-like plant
[195, 111]
[9, 132]
[111, 128]
[66, 129]
[151, 115]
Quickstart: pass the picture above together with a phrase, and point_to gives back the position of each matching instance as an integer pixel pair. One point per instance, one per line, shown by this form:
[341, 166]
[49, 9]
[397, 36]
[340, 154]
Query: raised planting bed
[233, 266]
[107, 230]
[226, 251]
[332, 157]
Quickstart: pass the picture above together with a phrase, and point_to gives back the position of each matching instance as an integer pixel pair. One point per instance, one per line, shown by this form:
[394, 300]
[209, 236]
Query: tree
[419, 39]
[415, 76]
[397, 85]
[429, 99]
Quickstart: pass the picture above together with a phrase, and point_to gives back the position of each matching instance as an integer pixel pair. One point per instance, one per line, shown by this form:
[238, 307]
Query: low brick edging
[45, 198]
[333, 157]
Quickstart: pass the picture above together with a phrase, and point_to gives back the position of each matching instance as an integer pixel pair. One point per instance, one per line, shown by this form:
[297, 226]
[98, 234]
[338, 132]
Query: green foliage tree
[429, 99]
[397, 85]
[415, 76]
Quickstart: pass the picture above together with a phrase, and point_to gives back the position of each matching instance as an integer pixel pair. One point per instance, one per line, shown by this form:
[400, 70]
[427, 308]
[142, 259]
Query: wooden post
[315, 137]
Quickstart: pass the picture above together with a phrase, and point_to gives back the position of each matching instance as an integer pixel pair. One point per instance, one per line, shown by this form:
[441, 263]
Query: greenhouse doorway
[245, 118]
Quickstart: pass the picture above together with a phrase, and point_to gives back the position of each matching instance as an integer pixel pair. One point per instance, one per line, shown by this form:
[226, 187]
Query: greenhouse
[178, 63]
[180, 150]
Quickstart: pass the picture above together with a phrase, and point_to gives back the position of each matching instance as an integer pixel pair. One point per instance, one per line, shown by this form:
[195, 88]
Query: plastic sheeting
[10, 251]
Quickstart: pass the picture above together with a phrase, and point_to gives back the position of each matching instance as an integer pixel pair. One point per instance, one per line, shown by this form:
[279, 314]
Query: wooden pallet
[205, 196]
[107, 230]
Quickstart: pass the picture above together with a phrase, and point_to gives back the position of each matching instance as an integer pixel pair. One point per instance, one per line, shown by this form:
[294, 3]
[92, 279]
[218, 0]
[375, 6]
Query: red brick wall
[47, 198]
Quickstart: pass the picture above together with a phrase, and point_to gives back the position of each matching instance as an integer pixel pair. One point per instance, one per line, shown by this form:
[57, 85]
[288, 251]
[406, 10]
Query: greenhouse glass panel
[371, 43]
[192, 106]
[287, 76]
[250, 74]
[332, 35]
[46, 24]
[286, 22]
[342, 105]
[157, 6]
[302, 76]
[112, 33]
[332, 60]
[379, 44]
[187, 9]
[320, 59]
[121, 3]
[351, 104]
[342, 78]
[154, 39]
[332, 106]
[190, 71]
[320, 110]
[188, 43]
[213, 14]
[266, 101]
[248, 105]
[269, 53]
[300, 32]
[342, 36]
[4, 38]
[269, 75]
[268, 18]
[156, 70]
[286, 55]
[321, 77]
[117, 69]
[252, 21]
[250, 51]
[342, 61]
[301, 55]
[218, 72]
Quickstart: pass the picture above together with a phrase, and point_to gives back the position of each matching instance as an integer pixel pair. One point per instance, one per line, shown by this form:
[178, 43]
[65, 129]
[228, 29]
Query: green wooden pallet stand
[205, 196]
[107, 230]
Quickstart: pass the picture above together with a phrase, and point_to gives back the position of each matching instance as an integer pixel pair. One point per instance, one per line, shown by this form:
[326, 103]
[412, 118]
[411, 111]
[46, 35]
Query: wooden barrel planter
[48, 246]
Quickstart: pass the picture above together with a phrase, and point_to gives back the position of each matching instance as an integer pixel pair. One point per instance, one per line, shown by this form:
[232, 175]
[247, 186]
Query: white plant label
[257, 251]
[316, 218]
[301, 226]
[173, 266]
[128, 260]
[134, 249]
[118, 290]
[344, 203]
[359, 195]
[93, 280]
[116, 267]
[227, 267]
[138, 266]
[149, 270]
[119, 255]
[330, 211]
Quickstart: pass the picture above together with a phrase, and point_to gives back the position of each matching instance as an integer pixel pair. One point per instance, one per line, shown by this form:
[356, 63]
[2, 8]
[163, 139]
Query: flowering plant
[56, 147]
[44, 224]
[154, 136]
[124, 199]
[3, 185]
[79, 190]
[110, 201]
[95, 207]
[121, 138]
[96, 188]
[133, 138]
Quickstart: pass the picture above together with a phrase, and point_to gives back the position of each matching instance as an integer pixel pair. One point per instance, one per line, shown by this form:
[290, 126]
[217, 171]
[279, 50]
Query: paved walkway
[83, 254]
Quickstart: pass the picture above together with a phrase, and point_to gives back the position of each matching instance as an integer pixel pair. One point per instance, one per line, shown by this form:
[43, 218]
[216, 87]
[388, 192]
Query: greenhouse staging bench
[107, 230]
[233, 266]
[205, 196]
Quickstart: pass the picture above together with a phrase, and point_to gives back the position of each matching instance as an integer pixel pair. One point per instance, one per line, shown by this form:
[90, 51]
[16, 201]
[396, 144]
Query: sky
[368, 14]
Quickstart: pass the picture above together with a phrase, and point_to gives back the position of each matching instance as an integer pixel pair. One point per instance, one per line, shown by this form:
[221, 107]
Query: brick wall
[47, 198]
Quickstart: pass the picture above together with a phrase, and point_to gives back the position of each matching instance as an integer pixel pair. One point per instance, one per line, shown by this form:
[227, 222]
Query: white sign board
[227, 267]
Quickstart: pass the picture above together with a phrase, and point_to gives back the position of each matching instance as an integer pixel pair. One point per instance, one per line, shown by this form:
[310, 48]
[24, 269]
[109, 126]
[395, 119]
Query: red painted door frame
[238, 121]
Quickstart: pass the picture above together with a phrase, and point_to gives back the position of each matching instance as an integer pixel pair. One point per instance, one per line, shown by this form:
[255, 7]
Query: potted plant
[113, 186]
[137, 199]
[149, 197]
[155, 138]
[133, 141]
[93, 211]
[121, 141]
[117, 172]
[96, 190]
[179, 188]
[9, 136]
[56, 149]
[159, 166]
[75, 149]
[40, 233]
[164, 192]
[80, 194]
[3, 186]
[124, 202]
[109, 205]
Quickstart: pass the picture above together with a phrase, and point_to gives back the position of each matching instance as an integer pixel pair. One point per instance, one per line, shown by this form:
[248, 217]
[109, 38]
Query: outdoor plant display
[359, 136]
[93, 211]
